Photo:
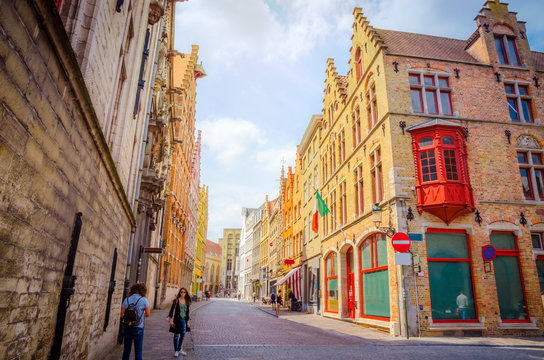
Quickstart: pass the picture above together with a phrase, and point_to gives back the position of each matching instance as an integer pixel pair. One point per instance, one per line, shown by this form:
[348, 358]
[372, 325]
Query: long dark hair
[187, 296]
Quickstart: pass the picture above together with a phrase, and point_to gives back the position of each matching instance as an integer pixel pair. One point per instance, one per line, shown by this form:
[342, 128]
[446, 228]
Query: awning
[294, 279]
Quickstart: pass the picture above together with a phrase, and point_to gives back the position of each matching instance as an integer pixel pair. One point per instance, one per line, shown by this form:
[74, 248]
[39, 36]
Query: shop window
[450, 276]
[508, 277]
[442, 182]
[431, 93]
[519, 102]
[507, 50]
[374, 277]
[331, 283]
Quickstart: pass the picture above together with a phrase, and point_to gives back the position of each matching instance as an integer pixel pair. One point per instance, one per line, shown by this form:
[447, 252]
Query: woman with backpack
[178, 318]
[133, 310]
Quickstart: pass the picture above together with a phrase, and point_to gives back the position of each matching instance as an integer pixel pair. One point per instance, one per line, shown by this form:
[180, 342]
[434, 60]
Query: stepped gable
[370, 31]
[425, 46]
[342, 83]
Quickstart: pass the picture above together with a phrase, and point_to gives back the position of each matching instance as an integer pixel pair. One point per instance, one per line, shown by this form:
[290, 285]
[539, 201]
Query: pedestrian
[462, 304]
[208, 294]
[239, 294]
[178, 317]
[273, 299]
[136, 308]
[254, 296]
[292, 300]
[278, 300]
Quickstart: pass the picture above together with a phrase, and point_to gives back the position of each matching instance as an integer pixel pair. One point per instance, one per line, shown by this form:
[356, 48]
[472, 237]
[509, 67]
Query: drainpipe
[157, 281]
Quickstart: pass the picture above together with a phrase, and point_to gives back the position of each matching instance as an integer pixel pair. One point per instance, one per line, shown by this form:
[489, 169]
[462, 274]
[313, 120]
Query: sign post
[401, 243]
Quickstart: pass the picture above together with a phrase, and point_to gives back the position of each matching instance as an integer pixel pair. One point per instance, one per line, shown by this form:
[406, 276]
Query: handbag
[173, 328]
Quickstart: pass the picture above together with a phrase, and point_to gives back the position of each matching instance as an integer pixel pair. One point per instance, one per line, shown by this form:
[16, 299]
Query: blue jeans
[135, 334]
[178, 338]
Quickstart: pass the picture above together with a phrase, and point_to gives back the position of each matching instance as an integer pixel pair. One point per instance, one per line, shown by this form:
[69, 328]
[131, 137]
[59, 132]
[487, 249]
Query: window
[229, 264]
[519, 102]
[537, 241]
[358, 64]
[333, 210]
[376, 172]
[331, 117]
[342, 147]
[428, 153]
[358, 185]
[531, 169]
[331, 284]
[431, 93]
[374, 277]
[540, 272]
[512, 304]
[371, 106]
[507, 50]
[333, 158]
[450, 276]
[356, 128]
[325, 173]
[305, 192]
[343, 204]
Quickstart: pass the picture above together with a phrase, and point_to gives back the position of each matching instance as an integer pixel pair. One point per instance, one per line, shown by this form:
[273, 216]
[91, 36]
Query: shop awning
[294, 280]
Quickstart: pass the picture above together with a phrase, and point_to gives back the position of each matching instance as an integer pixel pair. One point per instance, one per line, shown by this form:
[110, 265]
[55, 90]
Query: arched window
[358, 64]
[374, 277]
[331, 284]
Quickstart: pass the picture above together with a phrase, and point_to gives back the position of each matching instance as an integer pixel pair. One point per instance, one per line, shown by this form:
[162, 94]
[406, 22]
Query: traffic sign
[401, 242]
[489, 253]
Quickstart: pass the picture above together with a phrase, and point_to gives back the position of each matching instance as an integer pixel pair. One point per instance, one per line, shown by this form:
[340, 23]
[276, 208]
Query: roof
[342, 82]
[213, 248]
[271, 205]
[425, 46]
[537, 59]
[432, 122]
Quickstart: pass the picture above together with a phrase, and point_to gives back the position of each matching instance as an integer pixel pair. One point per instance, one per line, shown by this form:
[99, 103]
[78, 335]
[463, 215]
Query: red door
[351, 284]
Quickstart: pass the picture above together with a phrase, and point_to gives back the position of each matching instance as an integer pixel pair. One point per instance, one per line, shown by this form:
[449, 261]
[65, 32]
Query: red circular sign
[401, 242]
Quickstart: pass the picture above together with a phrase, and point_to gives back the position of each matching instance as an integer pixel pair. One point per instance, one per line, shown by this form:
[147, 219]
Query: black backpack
[131, 317]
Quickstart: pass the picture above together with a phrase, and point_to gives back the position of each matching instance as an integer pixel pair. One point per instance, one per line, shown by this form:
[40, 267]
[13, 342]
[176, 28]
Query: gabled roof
[213, 248]
[432, 122]
[271, 205]
[425, 46]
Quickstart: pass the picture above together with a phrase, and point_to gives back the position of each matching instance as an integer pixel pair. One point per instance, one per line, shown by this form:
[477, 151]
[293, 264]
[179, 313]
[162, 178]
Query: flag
[321, 209]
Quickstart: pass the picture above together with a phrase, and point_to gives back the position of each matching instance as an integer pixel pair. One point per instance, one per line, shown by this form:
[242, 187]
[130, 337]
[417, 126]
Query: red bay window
[442, 178]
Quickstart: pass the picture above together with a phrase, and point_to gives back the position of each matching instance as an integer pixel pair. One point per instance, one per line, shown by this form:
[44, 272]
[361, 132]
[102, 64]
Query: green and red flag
[321, 209]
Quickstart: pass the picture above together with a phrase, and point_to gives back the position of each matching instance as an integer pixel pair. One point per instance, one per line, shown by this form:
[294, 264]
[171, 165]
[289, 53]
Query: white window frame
[422, 86]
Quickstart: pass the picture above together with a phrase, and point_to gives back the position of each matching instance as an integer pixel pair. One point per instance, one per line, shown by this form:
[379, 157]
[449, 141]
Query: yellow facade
[202, 234]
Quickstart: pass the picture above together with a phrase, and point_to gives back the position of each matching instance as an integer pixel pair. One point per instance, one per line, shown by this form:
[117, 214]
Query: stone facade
[212, 268]
[230, 262]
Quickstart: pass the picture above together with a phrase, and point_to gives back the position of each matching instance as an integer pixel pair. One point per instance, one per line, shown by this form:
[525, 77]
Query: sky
[265, 62]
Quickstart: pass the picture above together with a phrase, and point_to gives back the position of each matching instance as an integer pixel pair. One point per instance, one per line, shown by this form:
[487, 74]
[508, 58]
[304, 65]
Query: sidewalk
[380, 338]
[158, 343]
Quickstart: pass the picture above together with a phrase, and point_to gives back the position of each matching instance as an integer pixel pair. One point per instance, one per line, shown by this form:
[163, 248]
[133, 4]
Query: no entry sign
[489, 253]
[401, 242]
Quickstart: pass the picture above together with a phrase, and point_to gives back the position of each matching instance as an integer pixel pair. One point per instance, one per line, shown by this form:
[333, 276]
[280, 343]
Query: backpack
[131, 317]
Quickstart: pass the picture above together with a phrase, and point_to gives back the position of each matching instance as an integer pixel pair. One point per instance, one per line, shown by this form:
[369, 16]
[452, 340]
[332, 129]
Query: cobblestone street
[228, 329]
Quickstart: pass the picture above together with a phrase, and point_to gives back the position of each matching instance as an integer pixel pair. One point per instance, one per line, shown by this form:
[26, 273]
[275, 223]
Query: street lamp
[377, 219]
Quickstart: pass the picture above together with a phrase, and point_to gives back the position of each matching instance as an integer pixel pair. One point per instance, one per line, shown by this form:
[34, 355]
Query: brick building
[442, 138]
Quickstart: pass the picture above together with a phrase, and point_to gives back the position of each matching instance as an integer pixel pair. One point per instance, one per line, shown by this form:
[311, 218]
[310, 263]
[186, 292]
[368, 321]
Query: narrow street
[228, 329]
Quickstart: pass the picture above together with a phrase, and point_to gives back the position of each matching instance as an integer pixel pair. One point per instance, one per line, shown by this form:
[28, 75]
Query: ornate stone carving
[527, 142]
[156, 10]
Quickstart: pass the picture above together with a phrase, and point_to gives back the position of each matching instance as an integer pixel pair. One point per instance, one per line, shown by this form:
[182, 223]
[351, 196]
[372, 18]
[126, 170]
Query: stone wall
[53, 163]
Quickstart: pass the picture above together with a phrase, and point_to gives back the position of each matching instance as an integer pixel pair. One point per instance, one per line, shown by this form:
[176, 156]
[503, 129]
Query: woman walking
[133, 310]
[179, 319]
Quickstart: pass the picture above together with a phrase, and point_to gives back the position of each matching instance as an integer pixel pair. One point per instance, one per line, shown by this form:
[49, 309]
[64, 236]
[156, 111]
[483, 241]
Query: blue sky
[266, 61]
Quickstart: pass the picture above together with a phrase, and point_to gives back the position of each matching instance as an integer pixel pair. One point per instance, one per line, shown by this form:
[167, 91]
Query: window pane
[526, 183]
[447, 140]
[539, 183]
[428, 165]
[431, 101]
[447, 245]
[522, 90]
[509, 290]
[350, 261]
[522, 158]
[509, 89]
[366, 255]
[500, 50]
[451, 290]
[537, 159]
[513, 52]
[426, 141]
[382, 250]
[503, 241]
[416, 100]
[376, 293]
[445, 100]
[536, 241]
[526, 107]
[332, 295]
[428, 80]
[540, 270]
[513, 109]
[443, 82]
[450, 164]
[414, 79]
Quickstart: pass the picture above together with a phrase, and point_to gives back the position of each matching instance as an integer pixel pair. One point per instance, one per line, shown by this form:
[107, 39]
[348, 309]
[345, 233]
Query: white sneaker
[183, 353]
[176, 354]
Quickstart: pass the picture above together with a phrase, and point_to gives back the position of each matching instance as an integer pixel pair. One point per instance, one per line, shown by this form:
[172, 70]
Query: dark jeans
[135, 334]
[178, 338]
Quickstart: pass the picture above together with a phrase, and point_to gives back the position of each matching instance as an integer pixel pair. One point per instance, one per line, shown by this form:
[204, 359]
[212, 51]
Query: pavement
[231, 329]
